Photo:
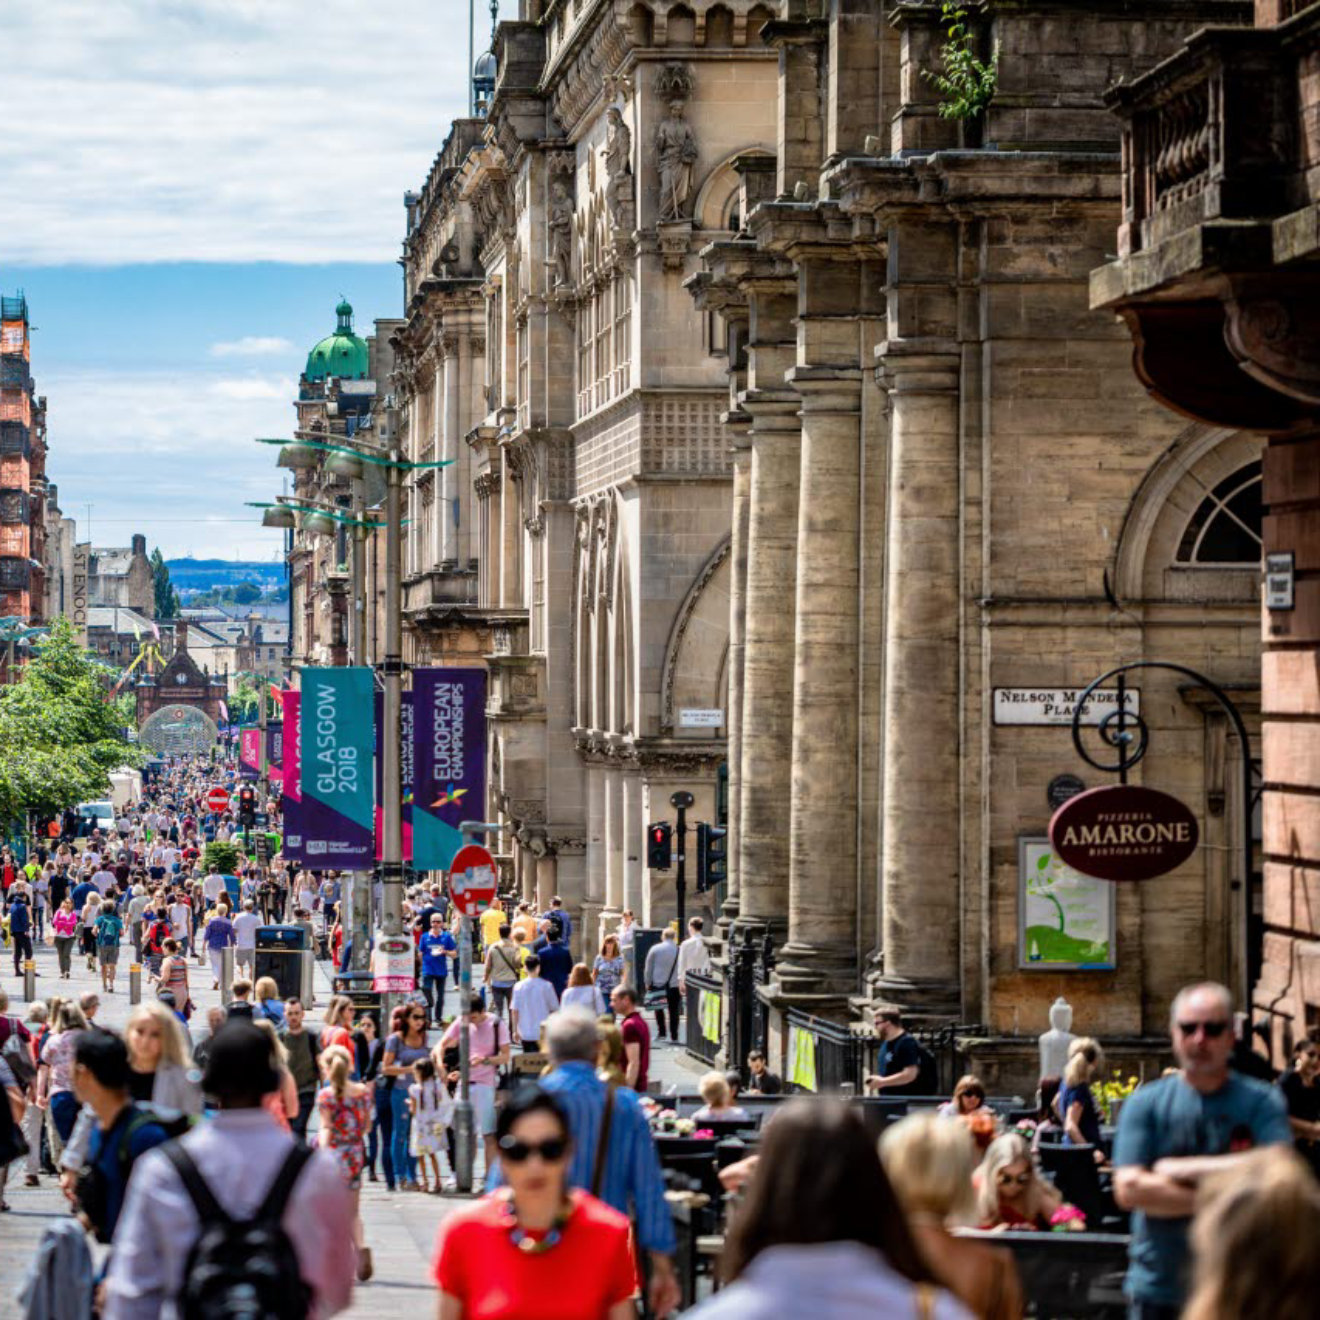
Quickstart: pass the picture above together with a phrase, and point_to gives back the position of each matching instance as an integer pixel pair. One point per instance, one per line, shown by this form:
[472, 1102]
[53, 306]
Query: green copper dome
[341, 354]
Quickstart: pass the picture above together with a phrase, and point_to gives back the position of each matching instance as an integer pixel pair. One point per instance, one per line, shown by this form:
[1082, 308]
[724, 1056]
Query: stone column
[634, 836]
[822, 917]
[742, 507]
[446, 449]
[920, 854]
[613, 846]
[595, 899]
[511, 536]
[547, 881]
[767, 710]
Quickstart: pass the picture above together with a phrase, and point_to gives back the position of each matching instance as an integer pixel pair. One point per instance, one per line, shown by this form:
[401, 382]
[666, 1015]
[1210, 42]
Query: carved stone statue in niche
[618, 170]
[675, 153]
[560, 224]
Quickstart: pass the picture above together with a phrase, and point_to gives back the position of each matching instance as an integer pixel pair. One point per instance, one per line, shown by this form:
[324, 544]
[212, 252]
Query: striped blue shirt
[632, 1181]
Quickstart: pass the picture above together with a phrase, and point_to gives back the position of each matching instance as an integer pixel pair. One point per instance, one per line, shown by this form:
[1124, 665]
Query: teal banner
[336, 774]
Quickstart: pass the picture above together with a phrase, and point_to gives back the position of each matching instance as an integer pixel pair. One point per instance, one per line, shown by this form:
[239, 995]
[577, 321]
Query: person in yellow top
[491, 921]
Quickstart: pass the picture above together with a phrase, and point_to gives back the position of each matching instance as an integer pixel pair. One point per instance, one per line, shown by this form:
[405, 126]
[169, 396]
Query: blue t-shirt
[1170, 1118]
[556, 964]
[435, 950]
[104, 1151]
[1089, 1122]
[80, 892]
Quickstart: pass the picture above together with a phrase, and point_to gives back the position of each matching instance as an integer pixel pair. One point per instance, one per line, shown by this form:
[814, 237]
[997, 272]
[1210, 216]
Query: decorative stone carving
[675, 153]
[619, 173]
[559, 226]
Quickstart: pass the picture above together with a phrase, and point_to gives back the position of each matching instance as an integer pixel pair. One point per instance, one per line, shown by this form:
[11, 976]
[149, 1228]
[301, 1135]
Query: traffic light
[712, 856]
[247, 806]
[659, 845]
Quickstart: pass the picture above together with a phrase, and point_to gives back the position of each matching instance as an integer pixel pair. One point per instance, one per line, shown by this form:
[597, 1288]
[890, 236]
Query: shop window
[1225, 530]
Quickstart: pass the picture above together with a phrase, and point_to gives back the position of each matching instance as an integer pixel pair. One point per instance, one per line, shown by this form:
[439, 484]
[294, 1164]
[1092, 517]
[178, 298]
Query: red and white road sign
[217, 799]
[472, 879]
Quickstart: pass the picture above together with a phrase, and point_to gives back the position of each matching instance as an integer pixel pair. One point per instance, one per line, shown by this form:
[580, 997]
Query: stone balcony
[1218, 266]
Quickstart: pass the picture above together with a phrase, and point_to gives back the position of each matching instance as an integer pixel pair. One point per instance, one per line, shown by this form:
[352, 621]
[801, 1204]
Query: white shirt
[212, 887]
[245, 930]
[582, 996]
[845, 1281]
[693, 956]
[180, 917]
[91, 857]
[533, 1001]
[103, 880]
[159, 1225]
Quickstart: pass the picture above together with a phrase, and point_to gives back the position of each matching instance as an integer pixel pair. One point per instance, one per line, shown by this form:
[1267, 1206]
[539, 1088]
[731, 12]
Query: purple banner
[405, 772]
[449, 707]
[335, 770]
[249, 753]
[291, 804]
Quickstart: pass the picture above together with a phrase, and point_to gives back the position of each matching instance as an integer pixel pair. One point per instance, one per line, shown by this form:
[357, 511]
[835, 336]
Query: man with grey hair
[1176, 1131]
[629, 1176]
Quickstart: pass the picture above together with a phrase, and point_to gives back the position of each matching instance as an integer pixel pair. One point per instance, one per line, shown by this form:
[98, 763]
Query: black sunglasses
[516, 1152]
[1213, 1030]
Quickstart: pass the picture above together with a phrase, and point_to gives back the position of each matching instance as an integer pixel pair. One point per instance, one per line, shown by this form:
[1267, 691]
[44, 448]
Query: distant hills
[209, 574]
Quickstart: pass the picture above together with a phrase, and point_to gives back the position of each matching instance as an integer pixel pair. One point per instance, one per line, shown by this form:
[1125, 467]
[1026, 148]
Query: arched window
[1226, 527]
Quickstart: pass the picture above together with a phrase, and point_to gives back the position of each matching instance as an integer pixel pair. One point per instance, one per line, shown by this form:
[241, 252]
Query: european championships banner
[449, 713]
[291, 803]
[405, 772]
[249, 753]
[336, 770]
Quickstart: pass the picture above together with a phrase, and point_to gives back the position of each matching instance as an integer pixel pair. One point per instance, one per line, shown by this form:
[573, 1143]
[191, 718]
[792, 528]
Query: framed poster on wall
[1066, 920]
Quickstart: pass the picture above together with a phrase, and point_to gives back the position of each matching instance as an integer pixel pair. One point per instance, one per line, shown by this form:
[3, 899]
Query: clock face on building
[181, 679]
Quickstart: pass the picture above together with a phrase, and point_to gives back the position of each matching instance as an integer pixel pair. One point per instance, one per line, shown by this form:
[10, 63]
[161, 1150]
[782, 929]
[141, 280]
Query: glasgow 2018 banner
[291, 803]
[336, 773]
[449, 758]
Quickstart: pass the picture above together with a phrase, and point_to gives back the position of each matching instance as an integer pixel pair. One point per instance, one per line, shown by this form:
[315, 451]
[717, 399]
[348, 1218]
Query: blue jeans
[64, 1108]
[404, 1164]
[381, 1135]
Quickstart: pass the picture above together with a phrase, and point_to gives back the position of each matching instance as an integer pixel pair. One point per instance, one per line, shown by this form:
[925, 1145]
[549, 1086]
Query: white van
[125, 788]
[95, 815]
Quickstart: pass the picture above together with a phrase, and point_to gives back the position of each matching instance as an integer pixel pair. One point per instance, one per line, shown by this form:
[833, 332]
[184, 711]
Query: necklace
[524, 1241]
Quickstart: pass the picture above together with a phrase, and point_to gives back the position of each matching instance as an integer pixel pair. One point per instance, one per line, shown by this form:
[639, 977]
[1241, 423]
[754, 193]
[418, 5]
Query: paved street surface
[400, 1226]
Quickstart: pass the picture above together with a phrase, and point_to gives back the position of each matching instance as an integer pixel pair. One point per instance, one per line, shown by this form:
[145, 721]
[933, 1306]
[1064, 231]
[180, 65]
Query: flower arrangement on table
[665, 1123]
[1109, 1096]
[1067, 1219]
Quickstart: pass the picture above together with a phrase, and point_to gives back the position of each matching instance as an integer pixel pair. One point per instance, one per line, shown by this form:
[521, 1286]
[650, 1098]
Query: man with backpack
[204, 1234]
[124, 1131]
[905, 1067]
[109, 932]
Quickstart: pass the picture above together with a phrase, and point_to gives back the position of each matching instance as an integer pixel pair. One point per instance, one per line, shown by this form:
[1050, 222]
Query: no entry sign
[217, 799]
[472, 879]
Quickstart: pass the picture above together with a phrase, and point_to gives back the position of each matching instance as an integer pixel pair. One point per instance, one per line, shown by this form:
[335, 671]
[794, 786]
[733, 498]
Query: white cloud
[252, 346]
[223, 130]
[172, 457]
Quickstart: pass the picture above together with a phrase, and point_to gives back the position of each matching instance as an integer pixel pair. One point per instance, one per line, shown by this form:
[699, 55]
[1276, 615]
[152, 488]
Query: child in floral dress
[432, 1111]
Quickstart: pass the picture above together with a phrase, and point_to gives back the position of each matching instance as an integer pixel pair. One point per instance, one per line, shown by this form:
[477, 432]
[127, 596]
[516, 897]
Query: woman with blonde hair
[930, 1164]
[268, 1003]
[339, 1024]
[1081, 1120]
[714, 1089]
[1252, 1241]
[161, 1069]
[281, 1104]
[1010, 1191]
[611, 1060]
[345, 1110]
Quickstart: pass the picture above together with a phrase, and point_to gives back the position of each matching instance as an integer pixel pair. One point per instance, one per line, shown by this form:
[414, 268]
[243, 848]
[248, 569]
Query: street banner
[449, 708]
[335, 773]
[406, 730]
[249, 753]
[291, 805]
[275, 752]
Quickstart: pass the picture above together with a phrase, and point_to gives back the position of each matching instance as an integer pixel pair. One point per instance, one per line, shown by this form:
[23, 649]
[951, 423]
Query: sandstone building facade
[578, 545]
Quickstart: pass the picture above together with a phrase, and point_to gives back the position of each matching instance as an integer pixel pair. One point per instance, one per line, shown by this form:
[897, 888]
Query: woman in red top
[535, 1248]
[1010, 1194]
[339, 1024]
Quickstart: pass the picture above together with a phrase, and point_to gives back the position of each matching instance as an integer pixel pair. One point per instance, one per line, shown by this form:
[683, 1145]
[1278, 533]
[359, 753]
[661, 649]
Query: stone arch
[1145, 566]
[719, 26]
[718, 193]
[680, 26]
[178, 730]
[695, 672]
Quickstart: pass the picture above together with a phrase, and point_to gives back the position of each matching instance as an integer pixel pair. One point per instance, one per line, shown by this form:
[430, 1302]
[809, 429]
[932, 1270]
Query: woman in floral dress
[345, 1108]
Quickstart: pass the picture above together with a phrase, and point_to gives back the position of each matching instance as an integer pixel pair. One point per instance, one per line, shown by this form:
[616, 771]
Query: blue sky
[196, 184]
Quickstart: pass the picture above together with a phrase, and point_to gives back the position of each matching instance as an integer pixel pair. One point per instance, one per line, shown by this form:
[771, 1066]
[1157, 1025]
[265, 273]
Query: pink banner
[292, 758]
[249, 753]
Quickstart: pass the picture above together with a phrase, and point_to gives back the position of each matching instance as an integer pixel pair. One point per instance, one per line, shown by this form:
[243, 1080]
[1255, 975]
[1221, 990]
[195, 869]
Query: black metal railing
[822, 1055]
[704, 1005]
[749, 964]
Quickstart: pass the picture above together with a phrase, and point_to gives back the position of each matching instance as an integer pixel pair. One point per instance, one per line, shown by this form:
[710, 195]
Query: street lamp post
[360, 887]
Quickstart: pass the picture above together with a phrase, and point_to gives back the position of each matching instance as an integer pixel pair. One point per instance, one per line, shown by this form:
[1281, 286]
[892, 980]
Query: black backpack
[242, 1270]
[928, 1073]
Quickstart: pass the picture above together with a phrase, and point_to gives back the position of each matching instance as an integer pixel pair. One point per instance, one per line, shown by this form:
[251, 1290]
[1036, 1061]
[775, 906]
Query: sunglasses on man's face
[517, 1152]
[1213, 1030]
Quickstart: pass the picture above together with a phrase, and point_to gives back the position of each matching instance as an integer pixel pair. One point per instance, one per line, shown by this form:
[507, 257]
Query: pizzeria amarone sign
[1124, 832]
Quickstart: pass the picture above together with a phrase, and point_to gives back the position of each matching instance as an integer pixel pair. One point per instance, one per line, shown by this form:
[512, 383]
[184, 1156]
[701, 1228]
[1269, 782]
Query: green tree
[59, 736]
[223, 856]
[246, 593]
[167, 599]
